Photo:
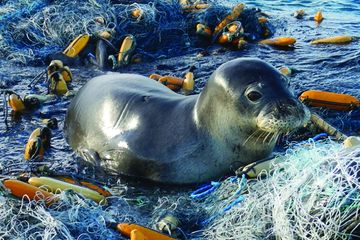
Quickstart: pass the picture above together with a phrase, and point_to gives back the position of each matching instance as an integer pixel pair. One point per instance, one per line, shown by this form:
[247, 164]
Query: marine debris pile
[38, 28]
[310, 191]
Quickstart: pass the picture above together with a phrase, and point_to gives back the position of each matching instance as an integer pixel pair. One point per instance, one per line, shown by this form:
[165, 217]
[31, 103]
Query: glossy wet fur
[141, 128]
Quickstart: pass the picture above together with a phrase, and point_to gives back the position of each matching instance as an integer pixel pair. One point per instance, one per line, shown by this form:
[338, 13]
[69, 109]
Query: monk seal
[140, 128]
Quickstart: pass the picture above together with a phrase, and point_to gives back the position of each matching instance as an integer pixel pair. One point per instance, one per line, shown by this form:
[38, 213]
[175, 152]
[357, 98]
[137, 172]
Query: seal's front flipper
[90, 162]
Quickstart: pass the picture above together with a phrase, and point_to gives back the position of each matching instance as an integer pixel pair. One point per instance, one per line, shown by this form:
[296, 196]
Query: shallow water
[324, 67]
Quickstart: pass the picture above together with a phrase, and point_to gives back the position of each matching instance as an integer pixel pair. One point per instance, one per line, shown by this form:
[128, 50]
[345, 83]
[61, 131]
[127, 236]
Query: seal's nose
[294, 109]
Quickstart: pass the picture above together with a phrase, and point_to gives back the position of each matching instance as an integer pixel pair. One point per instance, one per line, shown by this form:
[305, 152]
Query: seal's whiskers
[269, 134]
[250, 136]
[261, 135]
[274, 137]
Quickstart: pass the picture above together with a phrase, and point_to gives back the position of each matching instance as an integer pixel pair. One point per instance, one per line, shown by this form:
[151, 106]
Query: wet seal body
[141, 128]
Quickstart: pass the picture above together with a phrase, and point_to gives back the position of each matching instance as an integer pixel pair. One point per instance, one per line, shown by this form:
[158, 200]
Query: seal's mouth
[283, 117]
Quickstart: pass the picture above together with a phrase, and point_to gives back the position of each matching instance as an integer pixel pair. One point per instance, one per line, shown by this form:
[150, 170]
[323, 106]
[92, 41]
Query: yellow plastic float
[57, 84]
[34, 149]
[38, 141]
[279, 42]
[286, 71]
[333, 40]
[89, 185]
[16, 103]
[126, 46]
[54, 185]
[77, 45]
[330, 100]
[188, 83]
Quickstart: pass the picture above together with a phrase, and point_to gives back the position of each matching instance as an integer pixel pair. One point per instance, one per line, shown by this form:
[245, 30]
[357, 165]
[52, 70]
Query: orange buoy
[137, 235]
[137, 12]
[333, 40]
[203, 30]
[21, 189]
[166, 80]
[280, 41]
[195, 7]
[330, 100]
[155, 76]
[236, 11]
[318, 17]
[127, 228]
[262, 20]
[223, 39]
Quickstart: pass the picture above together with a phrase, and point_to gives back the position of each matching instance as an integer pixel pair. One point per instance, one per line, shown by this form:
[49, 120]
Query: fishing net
[312, 193]
[31, 30]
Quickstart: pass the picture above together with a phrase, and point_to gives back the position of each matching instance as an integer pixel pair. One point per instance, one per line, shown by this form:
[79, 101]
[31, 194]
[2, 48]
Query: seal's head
[252, 99]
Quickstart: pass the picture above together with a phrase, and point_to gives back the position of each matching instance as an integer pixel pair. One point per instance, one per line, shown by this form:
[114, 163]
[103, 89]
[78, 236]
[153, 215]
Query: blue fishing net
[31, 30]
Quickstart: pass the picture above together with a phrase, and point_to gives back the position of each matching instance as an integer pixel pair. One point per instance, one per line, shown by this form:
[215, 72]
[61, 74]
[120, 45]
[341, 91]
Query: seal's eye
[254, 96]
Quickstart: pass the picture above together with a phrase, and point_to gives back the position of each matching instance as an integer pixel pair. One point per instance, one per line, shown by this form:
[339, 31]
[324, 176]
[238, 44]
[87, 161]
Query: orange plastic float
[333, 40]
[129, 230]
[318, 17]
[137, 12]
[330, 100]
[279, 42]
[21, 189]
[195, 7]
[174, 83]
[203, 30]
[236, 11]
[155, 76]
[137, 235]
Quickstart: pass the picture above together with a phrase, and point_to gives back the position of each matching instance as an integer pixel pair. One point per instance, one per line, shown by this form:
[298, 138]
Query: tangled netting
[31, 30]
[312, 193]
[72, 217]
